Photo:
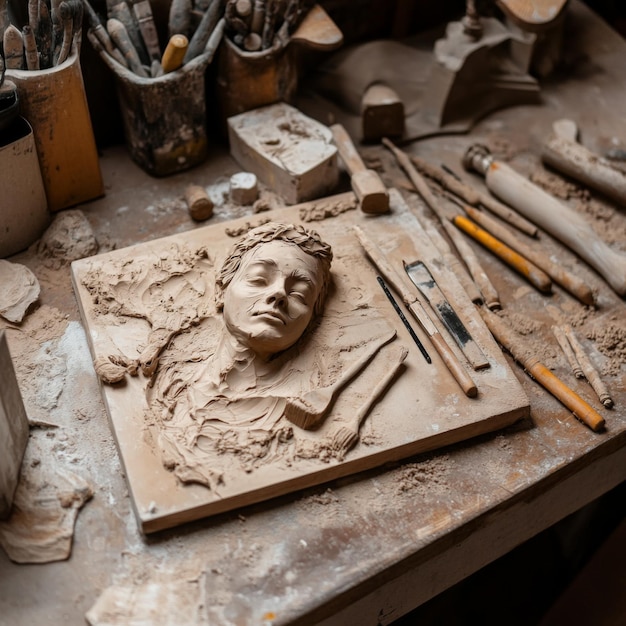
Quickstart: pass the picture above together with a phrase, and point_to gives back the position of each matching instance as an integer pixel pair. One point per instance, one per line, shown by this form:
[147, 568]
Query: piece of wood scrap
[422, 409]
[13, 429]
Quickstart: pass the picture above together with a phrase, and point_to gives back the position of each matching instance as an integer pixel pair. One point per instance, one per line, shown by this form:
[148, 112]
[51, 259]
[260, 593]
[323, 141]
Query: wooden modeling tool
[569, 281]
[404, 320]
[30, 48]
[13, 46]
[367, 184]
[474, 197]
[179, 18]
[310, 409]
[591, 373]
[508, 340]
[174, 53]
[547, 212]
[208, 24]
[143, 14]
[563, 152]
[119, 10]
[345, 437]
[489, 292]
[120, 38]
[422, 278]
[562, 340]
[417, 310]
[100, 34]
[538, 278]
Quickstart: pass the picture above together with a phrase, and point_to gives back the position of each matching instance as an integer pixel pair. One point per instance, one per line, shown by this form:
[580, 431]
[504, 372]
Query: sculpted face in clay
[271, 286]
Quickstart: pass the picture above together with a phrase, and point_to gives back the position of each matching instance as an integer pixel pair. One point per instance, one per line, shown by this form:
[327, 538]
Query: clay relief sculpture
[242, 379]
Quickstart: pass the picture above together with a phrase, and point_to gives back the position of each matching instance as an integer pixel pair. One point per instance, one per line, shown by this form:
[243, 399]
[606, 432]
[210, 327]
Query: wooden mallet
[366, 184]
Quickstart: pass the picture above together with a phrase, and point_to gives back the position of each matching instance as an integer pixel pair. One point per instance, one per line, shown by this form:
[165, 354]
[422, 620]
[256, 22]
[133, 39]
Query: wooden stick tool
[417, 311]
[547, 212]
[591, 373]
[508, 340]
[474, 197]
[569, 281]
[489, 292]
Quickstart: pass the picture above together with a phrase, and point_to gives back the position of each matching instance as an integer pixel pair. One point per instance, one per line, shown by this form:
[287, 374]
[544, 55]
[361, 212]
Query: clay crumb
[325, 498]
[424, 476]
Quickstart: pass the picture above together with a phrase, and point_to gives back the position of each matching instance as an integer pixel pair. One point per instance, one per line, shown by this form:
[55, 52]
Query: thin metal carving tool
[405, 321]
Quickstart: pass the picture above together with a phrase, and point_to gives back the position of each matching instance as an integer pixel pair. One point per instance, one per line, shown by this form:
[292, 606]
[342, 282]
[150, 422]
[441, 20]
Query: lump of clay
[19, 288]
[69, 237]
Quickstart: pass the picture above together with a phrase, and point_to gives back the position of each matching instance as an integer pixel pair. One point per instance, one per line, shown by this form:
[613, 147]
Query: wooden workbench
[365, 549]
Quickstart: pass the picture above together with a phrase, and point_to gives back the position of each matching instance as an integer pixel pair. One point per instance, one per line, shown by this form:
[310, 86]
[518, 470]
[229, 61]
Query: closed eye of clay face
[271, 299]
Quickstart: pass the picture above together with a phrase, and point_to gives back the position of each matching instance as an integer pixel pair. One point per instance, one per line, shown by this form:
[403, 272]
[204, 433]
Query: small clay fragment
[199, 204]
[244, 188]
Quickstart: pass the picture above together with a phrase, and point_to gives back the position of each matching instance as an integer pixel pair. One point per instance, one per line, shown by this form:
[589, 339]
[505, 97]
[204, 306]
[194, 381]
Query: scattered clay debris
[606, 221]
[318, 211]
[325, 498]
[242, 230]
[425, 475]
[611, 341]
[524, 325]
[19, 288]
[68, 238]
[558, 186]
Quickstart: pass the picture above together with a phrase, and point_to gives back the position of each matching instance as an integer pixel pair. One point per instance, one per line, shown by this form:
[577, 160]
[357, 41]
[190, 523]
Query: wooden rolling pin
[508, 340]
[547, 212]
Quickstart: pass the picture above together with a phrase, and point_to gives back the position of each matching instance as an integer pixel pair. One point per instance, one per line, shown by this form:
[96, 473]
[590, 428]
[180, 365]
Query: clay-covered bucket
[24, 215]
[164, 117]
[248, 80]
[54, 103]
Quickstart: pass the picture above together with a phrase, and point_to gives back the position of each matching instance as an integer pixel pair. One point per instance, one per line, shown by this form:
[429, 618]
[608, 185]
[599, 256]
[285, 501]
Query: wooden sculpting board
[423, 409]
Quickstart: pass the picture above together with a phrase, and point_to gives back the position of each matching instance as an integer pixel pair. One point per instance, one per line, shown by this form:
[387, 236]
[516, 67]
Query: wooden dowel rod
[507, 339]
[490, 294]
[474, 197]
[590, 372]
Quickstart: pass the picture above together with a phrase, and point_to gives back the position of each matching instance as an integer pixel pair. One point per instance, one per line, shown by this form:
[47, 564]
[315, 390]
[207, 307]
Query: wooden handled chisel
[422, 278]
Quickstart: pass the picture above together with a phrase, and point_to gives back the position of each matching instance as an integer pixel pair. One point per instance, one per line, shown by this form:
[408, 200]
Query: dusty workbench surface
[374, 545]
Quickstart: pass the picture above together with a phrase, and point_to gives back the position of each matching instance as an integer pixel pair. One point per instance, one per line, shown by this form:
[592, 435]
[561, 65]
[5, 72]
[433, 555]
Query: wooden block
[423, 408]
[382, 113]
[291, 153]
[13, 429]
